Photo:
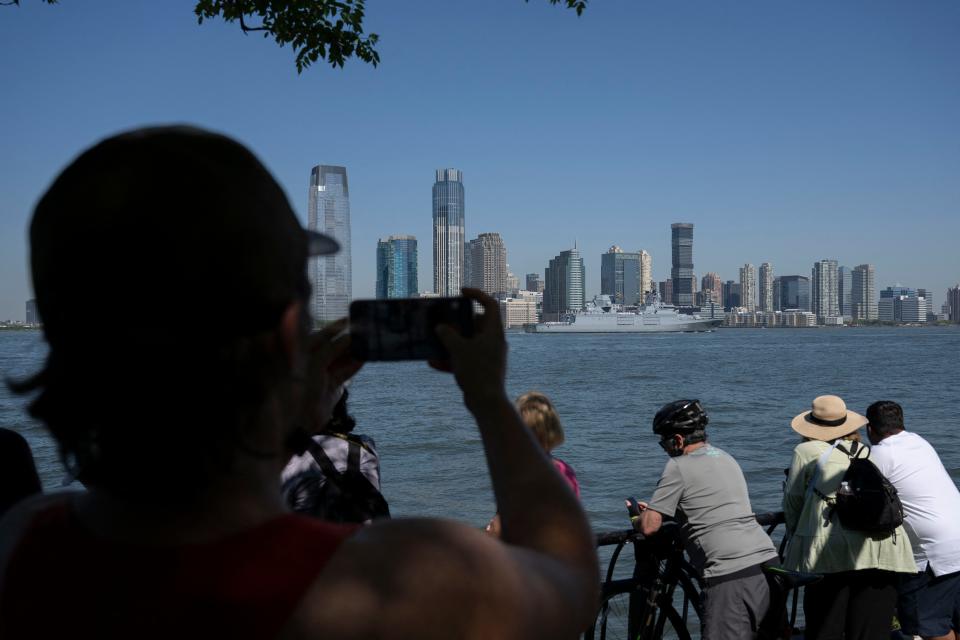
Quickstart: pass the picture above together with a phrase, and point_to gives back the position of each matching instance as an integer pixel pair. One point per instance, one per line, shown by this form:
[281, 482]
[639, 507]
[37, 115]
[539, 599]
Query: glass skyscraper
[620, 276]
[563, 285]
[328, 211]
[397, 267]
[448, 232]
[793, 292]
[844, 291]
[682, 270]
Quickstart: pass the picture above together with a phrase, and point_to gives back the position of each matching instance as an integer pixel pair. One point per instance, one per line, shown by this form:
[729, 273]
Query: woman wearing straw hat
[857, 596]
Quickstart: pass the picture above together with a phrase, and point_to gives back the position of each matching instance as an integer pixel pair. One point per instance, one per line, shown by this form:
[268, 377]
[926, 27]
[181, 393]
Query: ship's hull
[639, 325]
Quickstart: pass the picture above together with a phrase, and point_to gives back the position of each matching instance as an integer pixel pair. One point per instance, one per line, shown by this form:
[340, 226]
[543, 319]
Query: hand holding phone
[405, 329]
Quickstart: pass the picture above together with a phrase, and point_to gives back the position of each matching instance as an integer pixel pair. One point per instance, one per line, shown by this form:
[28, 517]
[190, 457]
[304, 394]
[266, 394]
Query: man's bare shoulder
[428, 579]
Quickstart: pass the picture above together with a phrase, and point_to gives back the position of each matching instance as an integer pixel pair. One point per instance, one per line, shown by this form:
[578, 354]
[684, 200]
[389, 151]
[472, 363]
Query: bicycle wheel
[670, 625]
[613, 619]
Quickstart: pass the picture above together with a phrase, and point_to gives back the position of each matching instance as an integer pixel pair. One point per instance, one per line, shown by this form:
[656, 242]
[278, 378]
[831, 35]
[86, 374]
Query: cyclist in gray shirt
[703, 488]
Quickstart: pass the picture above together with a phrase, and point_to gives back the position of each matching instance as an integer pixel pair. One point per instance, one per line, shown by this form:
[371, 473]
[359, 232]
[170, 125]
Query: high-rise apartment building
[823, 290]
[953, 303]
[766, 287]
[863, 293]
[33, 316]
[731, 295]
[845, 291]
[564, 281]
[487, 260]
[792, 292]
[534, 282]
[620, 276]
[681, 272]
[748, 287]
[328, 211]
[646, 275]
[712, 287]
[448, 232]
[397, 267]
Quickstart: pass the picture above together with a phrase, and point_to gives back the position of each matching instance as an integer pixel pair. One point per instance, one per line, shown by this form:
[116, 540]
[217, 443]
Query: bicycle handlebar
[606, 538]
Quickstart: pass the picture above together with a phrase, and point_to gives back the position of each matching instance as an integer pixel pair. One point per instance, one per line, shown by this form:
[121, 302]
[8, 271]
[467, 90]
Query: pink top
[568, 474]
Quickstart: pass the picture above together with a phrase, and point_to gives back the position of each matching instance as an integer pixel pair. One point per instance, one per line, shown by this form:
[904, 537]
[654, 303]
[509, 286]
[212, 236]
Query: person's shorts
[929, 605]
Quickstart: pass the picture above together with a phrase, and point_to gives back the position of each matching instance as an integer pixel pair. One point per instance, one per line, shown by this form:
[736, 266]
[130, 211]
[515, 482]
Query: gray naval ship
[603, 316]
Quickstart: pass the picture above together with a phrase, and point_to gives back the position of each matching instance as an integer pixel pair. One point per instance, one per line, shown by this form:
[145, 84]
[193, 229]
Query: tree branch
[246, 29]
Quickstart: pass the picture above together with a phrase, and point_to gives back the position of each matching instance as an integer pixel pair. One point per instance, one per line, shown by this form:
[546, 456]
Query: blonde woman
[540, 416]
[857, 596]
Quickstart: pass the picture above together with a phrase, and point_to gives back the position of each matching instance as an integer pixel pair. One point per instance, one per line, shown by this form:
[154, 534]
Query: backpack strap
[353, 455]
[817, 470]
[326, 465]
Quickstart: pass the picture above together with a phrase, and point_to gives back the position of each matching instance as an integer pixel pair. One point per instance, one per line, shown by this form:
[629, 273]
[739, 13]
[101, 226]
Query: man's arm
[665, 500]
[430, 578]
[650, 520]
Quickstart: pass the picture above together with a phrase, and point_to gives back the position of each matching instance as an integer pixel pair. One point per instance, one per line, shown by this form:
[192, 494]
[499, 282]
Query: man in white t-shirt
[929, 602]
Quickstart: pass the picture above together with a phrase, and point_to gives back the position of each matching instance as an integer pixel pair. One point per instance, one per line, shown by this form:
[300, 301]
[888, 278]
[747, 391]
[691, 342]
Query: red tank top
[63, 582]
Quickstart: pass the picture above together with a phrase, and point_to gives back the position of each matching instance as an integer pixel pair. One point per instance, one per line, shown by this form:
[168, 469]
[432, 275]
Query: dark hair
[885, 417]
[340, 420]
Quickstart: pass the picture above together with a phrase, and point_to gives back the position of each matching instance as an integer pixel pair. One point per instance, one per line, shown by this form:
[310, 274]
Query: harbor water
[606, 389]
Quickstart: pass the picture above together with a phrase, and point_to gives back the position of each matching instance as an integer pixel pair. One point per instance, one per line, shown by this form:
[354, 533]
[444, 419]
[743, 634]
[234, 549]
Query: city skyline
[848, 152]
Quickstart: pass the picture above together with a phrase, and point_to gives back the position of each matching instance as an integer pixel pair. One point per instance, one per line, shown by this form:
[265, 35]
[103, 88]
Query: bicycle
[641, 607]
[645, 606]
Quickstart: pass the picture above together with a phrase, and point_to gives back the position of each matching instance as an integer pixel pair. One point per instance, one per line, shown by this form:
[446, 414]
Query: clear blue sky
[786, 131]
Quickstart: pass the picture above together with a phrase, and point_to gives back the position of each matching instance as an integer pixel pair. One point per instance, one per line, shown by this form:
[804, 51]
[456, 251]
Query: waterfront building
[731, 295]
[953, 304]
[681, 272]
[328, 211]
[902, 305]
[517, 312]
[845, 291]
[563, 285]
[711, 309]
[711, 288]
[823, 290]
[766, 287]
[797, 318]
[646, 275]
[748, 287]
[792, 292]
[448, 232]
[665, 288]
[534, 282]
[863, 293]
[513, 282]
[620, 276]
[397, 267]
[33, 316]
[487, 264]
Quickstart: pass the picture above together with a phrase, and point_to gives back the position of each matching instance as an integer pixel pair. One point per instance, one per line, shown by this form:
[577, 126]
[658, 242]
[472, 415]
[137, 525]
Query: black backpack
[866, 500]
[347, 496]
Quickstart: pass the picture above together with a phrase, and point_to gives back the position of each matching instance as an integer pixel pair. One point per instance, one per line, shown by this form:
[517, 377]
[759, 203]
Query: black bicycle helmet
[680, 416]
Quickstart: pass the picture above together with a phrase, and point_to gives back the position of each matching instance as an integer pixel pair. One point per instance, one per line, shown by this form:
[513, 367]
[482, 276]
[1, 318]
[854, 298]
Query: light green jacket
[822, 545]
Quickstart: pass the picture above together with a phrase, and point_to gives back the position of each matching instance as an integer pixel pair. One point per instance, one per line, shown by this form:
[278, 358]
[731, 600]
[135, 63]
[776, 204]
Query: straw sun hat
[827, 420]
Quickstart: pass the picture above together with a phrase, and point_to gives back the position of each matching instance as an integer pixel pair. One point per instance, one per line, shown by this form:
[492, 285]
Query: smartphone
[403, 328]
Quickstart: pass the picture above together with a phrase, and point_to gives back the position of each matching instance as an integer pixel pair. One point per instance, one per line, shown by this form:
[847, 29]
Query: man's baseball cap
[167, 231]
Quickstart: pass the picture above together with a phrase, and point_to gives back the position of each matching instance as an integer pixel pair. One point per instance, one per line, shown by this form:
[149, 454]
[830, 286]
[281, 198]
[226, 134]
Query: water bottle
[844, 489]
